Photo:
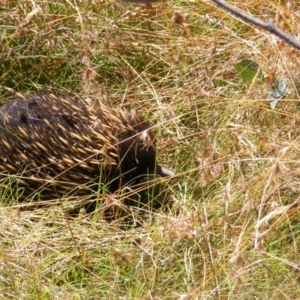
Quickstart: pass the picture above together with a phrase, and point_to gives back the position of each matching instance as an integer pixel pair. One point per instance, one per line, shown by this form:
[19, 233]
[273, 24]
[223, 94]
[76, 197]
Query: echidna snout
[164, 172]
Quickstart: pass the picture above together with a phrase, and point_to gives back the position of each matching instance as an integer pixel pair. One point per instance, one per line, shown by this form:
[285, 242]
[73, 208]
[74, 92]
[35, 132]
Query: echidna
[52, 144]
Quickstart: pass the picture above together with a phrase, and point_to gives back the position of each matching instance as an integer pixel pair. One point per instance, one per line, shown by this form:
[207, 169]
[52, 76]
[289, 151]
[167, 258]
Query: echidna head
[145, 156]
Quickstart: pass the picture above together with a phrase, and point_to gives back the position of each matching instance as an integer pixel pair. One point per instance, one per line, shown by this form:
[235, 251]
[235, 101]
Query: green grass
[232, 232]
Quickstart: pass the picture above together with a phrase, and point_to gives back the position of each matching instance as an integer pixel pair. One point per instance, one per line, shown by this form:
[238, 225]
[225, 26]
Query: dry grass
[233, 230]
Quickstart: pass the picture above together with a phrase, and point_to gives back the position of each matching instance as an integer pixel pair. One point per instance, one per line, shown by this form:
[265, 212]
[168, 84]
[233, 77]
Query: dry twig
[269, 26]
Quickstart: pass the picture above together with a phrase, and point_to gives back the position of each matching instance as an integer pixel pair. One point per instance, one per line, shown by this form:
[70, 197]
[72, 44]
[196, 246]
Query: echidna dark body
[53, 144]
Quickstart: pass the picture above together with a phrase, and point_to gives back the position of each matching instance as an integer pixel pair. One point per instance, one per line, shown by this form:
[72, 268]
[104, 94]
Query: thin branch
[269, 26]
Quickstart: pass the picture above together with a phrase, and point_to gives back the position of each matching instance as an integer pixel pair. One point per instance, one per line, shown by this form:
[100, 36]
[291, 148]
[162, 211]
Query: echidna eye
[23, 118]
